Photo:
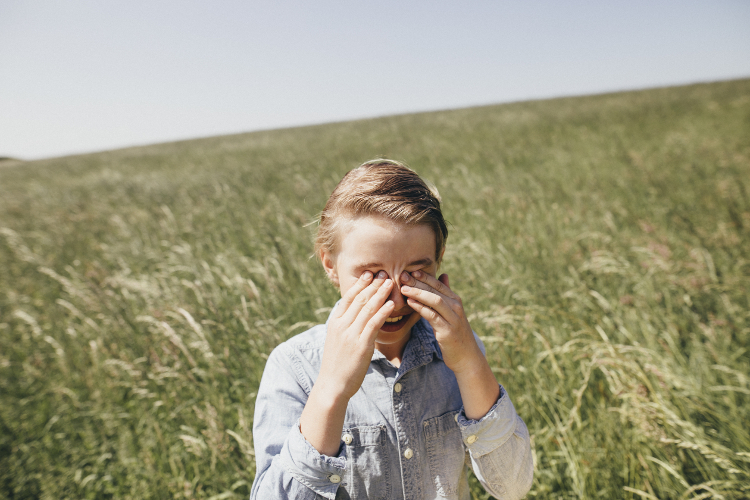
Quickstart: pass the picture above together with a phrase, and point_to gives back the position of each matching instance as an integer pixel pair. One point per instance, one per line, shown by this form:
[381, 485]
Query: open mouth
[395, 323]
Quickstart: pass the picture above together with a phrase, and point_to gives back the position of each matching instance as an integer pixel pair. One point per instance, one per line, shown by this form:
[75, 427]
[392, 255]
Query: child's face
[378, 244]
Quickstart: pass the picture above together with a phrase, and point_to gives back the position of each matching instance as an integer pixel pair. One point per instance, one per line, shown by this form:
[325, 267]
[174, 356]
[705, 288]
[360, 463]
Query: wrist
[479, 389]
[471, 364]
[331, 391]
[323, 418]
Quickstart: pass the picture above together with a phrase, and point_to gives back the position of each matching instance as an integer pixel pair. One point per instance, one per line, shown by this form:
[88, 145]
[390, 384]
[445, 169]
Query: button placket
[407, 432]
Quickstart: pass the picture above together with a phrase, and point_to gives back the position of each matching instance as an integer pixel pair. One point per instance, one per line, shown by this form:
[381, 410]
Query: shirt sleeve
[287, 466]
[500, 449]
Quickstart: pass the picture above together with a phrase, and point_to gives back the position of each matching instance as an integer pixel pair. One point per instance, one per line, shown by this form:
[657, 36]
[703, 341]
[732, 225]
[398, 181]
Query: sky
[91, 75]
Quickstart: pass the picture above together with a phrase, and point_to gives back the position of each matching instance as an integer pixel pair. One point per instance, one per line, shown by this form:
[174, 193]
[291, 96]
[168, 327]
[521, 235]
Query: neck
[393, 352]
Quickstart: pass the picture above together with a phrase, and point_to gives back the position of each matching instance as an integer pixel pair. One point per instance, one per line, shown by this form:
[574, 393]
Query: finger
[363, 297]
[408, 280]
[427, 313]
[350, 295]
[440, 286]
[373, 306]
[370, 332]
[431, 299]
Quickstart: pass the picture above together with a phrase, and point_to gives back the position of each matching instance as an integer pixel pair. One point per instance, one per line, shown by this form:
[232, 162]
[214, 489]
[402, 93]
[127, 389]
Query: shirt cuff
[321, 473]
[492, 430]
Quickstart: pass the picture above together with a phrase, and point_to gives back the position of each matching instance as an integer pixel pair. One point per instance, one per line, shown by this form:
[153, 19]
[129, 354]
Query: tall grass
[601, 245]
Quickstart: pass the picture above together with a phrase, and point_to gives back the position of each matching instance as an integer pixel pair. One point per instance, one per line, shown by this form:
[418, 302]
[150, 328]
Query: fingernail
[382, 275]
[404, 276]
[405, 288]
[366, 275]
[388, 282]
[417, 274]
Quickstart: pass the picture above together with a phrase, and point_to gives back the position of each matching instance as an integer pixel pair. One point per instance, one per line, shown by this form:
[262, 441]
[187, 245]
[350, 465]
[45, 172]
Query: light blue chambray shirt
[405, 434]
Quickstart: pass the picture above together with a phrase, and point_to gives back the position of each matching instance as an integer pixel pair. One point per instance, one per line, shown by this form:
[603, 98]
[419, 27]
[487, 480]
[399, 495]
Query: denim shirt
[405, 434]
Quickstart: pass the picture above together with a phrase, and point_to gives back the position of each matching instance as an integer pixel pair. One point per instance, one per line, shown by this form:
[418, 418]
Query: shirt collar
[421, 348]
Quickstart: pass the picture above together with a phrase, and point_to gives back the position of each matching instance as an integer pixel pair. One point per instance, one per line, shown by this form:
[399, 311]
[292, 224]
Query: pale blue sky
[79, 76]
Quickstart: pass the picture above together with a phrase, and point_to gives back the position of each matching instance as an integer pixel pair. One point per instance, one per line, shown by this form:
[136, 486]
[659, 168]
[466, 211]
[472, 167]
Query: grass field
[601, 245]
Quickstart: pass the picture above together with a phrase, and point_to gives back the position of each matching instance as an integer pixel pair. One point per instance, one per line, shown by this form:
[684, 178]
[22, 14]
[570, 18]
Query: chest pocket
[446, 453]
[368, 464]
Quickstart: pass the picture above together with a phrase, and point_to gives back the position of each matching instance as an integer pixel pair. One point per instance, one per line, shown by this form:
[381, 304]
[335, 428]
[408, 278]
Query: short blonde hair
[385, 188]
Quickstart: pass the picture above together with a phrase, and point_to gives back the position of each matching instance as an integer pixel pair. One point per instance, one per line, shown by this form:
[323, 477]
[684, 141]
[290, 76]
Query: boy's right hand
[350, 342]
[352, 330]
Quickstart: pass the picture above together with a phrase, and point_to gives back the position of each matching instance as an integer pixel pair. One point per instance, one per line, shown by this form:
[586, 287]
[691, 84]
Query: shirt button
[348, 438]
[408, 453]
[397, 387]
[471, 439]
[335, 478]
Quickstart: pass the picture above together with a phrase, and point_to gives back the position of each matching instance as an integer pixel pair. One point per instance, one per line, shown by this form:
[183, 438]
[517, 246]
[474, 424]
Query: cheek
[345, 283]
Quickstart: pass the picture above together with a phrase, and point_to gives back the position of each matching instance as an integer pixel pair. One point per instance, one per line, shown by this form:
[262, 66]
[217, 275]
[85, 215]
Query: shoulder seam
[299, 373]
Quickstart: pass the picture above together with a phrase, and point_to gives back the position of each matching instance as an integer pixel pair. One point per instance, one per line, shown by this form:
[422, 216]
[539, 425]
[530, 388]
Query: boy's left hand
[443, 309]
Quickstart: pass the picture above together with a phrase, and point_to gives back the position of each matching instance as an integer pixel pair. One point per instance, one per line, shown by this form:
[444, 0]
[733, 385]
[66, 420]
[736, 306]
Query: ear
[329, 264]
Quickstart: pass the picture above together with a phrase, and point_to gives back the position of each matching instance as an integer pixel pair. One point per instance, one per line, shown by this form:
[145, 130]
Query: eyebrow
[370, 265]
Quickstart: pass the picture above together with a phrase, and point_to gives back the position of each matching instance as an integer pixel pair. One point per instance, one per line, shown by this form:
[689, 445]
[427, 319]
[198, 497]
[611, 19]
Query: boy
[392, 397]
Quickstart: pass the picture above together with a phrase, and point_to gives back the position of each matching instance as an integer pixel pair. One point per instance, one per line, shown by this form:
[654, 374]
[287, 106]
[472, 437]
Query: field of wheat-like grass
[601, 245]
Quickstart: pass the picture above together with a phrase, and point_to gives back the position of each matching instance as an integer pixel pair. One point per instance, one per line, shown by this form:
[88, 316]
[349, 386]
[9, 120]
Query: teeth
[393, 320]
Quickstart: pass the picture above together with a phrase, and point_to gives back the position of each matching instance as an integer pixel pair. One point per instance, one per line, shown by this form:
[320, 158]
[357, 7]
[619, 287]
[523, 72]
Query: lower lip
[398, 325]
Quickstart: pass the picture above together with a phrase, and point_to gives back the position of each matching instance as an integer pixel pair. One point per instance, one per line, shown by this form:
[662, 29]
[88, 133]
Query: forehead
[371, 239]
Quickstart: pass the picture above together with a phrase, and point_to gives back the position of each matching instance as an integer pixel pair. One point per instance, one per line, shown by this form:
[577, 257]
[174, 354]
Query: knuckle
[361, 300]
[370, 308]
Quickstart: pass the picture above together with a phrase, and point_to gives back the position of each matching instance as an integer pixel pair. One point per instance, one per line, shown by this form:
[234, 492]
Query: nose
[399, 301]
